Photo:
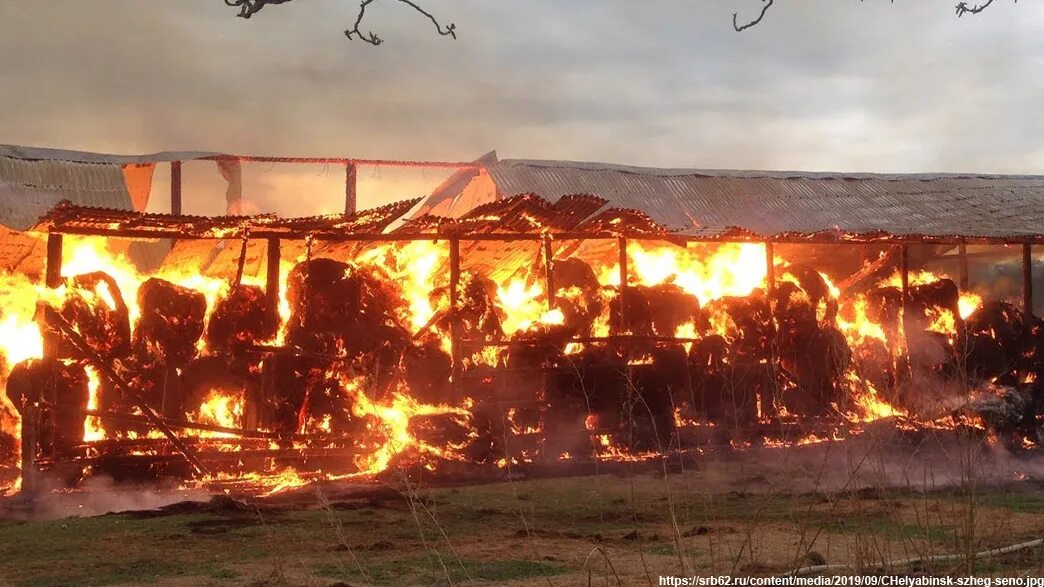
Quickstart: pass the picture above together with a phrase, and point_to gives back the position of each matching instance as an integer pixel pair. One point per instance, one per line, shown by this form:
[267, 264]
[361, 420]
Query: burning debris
[405, 352]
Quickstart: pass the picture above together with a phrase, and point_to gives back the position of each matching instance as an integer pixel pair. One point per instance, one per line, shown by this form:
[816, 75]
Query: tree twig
[450, 30]
[768, 4]
[963, 8]
[248, 8]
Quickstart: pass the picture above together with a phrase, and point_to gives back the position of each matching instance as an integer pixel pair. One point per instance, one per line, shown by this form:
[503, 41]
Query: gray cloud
[869, 86]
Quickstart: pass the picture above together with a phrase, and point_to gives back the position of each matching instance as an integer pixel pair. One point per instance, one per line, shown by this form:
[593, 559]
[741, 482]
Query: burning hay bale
[242, 318]
[995, 338]
[478, 316]
[427, 370]
[60, 387]
[1004, 410]
[339, 308]
[171, 322]
[884, 307]
[670, 307]
[95, 307]
[630, 312]
[578, 295]
[294, 379]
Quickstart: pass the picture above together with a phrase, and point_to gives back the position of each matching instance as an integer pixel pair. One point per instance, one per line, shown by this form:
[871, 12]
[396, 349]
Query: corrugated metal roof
[777, 203]
[42, 153]
[30, 188]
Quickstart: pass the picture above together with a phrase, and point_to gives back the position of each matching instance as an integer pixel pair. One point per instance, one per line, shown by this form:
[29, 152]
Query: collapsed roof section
[522, 217]
[530, 197]
[780, 205]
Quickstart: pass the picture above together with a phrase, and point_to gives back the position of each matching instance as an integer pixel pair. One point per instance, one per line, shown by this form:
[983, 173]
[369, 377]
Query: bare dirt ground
[760, 513]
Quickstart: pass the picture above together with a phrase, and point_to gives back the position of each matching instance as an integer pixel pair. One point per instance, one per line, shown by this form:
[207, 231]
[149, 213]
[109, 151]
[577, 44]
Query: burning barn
[526, 314]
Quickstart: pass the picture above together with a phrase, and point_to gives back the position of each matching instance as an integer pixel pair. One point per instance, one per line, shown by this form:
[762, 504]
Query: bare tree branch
[764, 9]
[248, 8]
[963, 8]
[371, 38]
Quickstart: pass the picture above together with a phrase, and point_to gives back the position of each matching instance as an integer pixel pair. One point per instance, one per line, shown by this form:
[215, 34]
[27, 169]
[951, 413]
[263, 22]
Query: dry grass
[604, 530]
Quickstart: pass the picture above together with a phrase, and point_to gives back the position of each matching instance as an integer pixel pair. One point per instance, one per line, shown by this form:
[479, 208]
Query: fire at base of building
[337, 346]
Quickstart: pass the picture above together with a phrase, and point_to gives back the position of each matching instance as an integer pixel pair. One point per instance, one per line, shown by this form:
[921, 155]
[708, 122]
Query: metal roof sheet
[779, 203]
[46, 154]
[29, 188]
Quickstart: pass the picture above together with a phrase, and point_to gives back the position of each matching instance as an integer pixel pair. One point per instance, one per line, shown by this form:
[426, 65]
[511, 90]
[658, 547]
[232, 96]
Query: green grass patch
[429, 570]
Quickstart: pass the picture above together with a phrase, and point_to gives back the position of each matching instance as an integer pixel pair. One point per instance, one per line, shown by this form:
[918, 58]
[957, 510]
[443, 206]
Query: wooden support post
[350, 180]
[962, 259]
[770, 287]
[175, 187]
[272, 272]
[454, 287]
[30, 442]
[904, 271]
[770, 267]
[106, 370]
[54, 260]
[170, 403]
[241, 262]
[621, 243]
[254, 415]
[549, 273]
[1027, 282]
[52, 279]
[904, 275]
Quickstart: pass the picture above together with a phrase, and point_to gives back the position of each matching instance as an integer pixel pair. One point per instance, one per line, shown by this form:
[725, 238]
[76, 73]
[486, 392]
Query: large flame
[419, 270]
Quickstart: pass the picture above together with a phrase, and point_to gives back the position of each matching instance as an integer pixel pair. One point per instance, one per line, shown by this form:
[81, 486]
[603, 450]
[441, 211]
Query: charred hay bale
[659, 386]
[995, 341]
[817, 361]
[328, 407]
[448, 433]
[670, 306]
[579, 312]
[1035, 362]
[428, 369]
[172, 319]
[60, 386]
[931, 352]
[335, 306]
[487, 441]
[749, 324]
[595, 384]
[148, 379]
[937, 294]
[634, 300]
[307, 394]
[816, 288]
[206, 374]
[8, 446]
[573, 272]
[293, 379]
[884, 305]
[710, 353]
[578, 294]
[724, 386]
[241, 318]
[94, 306]
[731, 397]
[1002, 409]
[544, 346]
[873, 362]
[792, 308]
[477, 313]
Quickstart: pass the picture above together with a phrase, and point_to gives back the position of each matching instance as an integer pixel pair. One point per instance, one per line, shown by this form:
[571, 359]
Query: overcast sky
[834, 85]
